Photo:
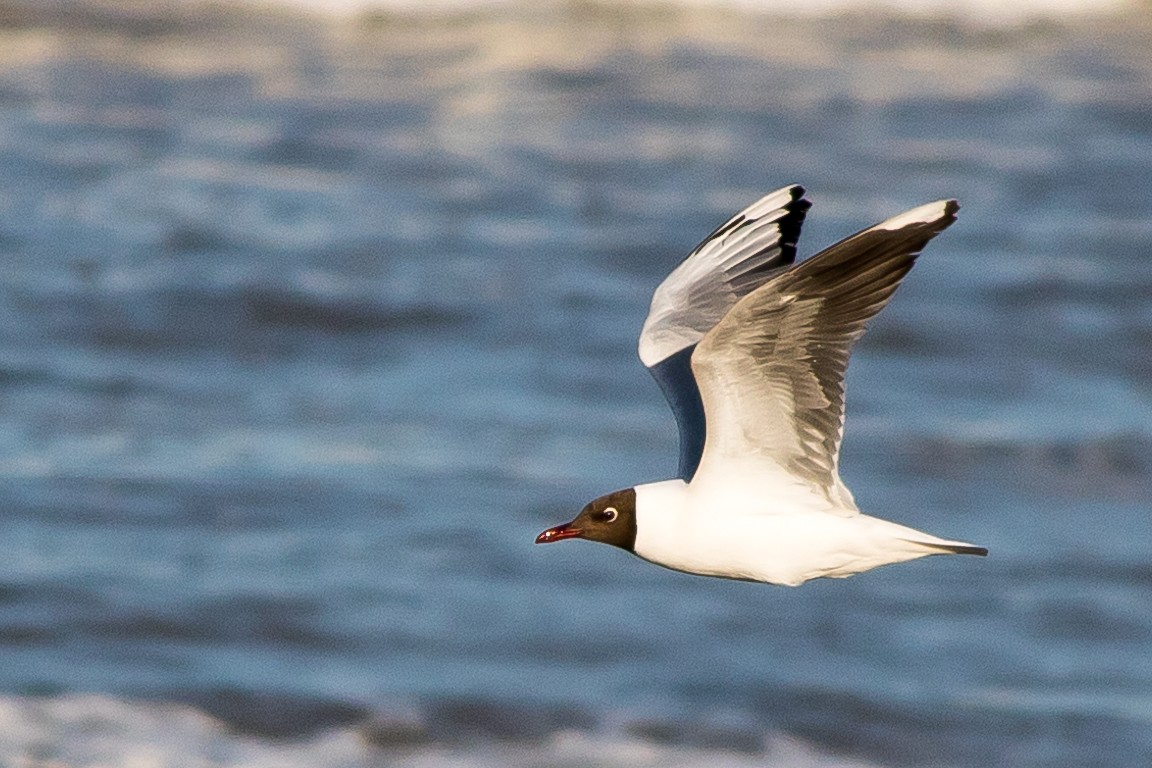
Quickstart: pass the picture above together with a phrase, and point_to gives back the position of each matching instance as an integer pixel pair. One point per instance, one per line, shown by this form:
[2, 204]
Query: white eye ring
[610, 514]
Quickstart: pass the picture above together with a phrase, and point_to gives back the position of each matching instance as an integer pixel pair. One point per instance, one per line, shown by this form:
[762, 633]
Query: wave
[980, 11]
[989, 13]
[87, 729]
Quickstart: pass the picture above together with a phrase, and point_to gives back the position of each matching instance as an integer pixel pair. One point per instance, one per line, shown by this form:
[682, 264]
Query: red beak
[560, 532]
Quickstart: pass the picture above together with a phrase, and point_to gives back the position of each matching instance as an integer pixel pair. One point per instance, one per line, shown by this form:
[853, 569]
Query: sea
[313, 315]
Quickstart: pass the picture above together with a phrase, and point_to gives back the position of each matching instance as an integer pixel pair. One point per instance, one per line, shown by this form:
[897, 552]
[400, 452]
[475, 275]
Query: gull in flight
[750, 351]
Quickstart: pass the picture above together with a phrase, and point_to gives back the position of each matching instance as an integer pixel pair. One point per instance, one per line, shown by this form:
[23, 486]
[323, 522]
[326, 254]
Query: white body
[762, 532]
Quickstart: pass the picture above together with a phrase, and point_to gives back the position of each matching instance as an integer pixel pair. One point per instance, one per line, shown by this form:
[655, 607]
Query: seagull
[750, 351]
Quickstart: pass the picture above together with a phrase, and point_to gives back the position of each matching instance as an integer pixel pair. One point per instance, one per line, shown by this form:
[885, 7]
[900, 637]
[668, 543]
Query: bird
[750, 350]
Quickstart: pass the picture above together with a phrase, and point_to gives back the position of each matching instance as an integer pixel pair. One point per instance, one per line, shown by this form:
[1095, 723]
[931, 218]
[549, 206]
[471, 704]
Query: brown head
[610, 519]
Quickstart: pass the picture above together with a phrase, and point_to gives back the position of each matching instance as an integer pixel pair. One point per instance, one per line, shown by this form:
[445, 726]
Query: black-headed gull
[751, 352]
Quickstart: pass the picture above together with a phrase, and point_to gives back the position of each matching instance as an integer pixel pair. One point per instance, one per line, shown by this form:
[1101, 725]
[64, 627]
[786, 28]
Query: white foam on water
[984, 12]
[978, 12]
[84, 731]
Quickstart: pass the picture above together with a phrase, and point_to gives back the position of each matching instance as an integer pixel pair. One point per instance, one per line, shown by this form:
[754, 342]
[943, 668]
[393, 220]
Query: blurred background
[313, 314]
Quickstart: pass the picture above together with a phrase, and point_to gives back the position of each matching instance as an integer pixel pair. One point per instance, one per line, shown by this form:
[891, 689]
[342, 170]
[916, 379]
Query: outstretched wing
[739, 256]
[731, 262]
[771, 372]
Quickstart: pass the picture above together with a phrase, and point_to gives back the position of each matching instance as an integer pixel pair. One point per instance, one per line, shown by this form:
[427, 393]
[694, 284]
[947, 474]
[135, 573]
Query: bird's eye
[609, 514]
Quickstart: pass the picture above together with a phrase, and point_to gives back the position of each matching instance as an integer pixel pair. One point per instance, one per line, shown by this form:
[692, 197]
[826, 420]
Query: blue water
[307, 327]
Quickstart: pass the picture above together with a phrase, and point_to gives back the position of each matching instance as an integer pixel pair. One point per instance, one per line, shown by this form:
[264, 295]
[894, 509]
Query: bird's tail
[942, 547]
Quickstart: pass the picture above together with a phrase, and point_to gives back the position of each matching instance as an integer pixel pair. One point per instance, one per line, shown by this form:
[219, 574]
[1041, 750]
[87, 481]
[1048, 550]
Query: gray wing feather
[771, 373]
[738, 256]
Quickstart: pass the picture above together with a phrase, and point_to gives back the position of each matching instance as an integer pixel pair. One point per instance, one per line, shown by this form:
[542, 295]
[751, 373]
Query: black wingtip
[951, 208]
[790, 226]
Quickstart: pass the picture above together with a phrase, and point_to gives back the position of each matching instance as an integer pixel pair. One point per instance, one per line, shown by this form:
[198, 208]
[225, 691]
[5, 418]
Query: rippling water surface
[309, 325]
